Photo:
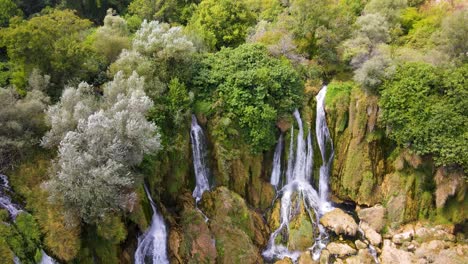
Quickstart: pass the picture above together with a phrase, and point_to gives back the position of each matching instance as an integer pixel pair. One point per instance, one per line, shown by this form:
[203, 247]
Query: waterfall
[5, 200]
[199, 160]
[289, 172]
[46, 259]
[323, 138]
[299, 172]
[14, 210]
[276, 171]
[152, 244]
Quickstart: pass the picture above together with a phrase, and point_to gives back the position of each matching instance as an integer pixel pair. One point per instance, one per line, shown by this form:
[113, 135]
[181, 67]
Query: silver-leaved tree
[100, 141]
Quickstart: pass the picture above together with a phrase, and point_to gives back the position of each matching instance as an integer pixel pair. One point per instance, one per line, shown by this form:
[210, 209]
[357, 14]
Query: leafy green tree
[453, 36]
[425, 108]
[112, 37]
[93, 175]
[54, 43]
[170, 11]
[8, 9]
[21, 120]
[248, 91]
[222, 23]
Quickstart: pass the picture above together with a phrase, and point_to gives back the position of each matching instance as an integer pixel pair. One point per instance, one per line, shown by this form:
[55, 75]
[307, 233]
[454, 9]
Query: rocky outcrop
[374, 216]
[373, 237]
[233, 234]
[340, 249]
[339, 222]
[391, 254]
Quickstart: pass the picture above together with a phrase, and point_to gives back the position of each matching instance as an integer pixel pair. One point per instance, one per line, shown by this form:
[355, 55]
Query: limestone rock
[360, 245]
[284, 261]
[373, 237]
[424, 234]
[363, 257]
[324, 257]
[405, 234]
[391, 255]
[339, 222]
[375, 216]
[306, 258]
[340, 249]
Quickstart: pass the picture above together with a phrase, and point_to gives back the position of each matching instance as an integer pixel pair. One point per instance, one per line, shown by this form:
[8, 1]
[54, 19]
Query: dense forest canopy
[97, 96]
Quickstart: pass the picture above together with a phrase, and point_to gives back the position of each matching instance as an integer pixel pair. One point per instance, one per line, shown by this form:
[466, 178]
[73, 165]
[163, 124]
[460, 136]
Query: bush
[425, 108]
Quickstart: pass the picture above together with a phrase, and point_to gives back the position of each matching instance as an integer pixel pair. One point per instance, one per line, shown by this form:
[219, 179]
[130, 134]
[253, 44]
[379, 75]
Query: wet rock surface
[339, 222]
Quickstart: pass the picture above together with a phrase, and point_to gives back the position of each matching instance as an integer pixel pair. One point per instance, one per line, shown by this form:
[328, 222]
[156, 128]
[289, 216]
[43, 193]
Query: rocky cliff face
[389, 186]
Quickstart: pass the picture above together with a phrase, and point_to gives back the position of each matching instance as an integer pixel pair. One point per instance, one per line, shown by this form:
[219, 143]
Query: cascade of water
[199, 160]
[300, 162]
[298, 173]
[152, 244]
[309, 159]
[323, 138]
[14, 210]
[46, 259]
[276, 171]
[289, 171]
[5, 200]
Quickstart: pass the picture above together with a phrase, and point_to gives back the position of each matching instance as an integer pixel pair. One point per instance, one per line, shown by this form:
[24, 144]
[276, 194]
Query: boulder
[339, 222]
[406, 233]
[363, 257]
[340, 249]
[306, 258]
[373, 237]
[424, 234]
[324, 257]
[375, 216]
[360, 245]
[284, 261]
[391, 255]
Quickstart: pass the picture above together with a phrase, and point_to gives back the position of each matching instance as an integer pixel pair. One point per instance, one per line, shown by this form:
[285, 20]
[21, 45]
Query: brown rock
[360, 245]
[375, 216]
[391, 255]
[373, 237]
[324, 257]
[340, 249]
[306, 258]
[339, 222]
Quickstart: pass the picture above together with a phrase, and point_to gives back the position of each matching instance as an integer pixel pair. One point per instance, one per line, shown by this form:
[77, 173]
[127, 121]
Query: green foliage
[170, 11]
[53, 43]
[112, 228]
[248, 90]
[222, 23]
[93, 175]
[22, 238]
[22, 121]
[112, 37]
[425, 108]
[453, 36]
[8, 9]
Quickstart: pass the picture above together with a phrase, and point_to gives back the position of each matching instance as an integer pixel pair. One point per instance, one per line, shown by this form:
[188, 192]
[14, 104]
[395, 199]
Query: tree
[248, 90]
[21, 120]
[170, 11]
[222, 23]
[453, 36]
[53, 42]
[425, 108]
[112, 37]
[8, 9]
[93, 175]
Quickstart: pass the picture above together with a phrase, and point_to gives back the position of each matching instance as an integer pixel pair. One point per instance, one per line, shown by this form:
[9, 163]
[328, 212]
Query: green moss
[367, 185]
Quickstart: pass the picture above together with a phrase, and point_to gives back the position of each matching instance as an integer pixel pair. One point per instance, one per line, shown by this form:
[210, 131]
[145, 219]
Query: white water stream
[152, 244]
[199, 160]
[298, 181]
